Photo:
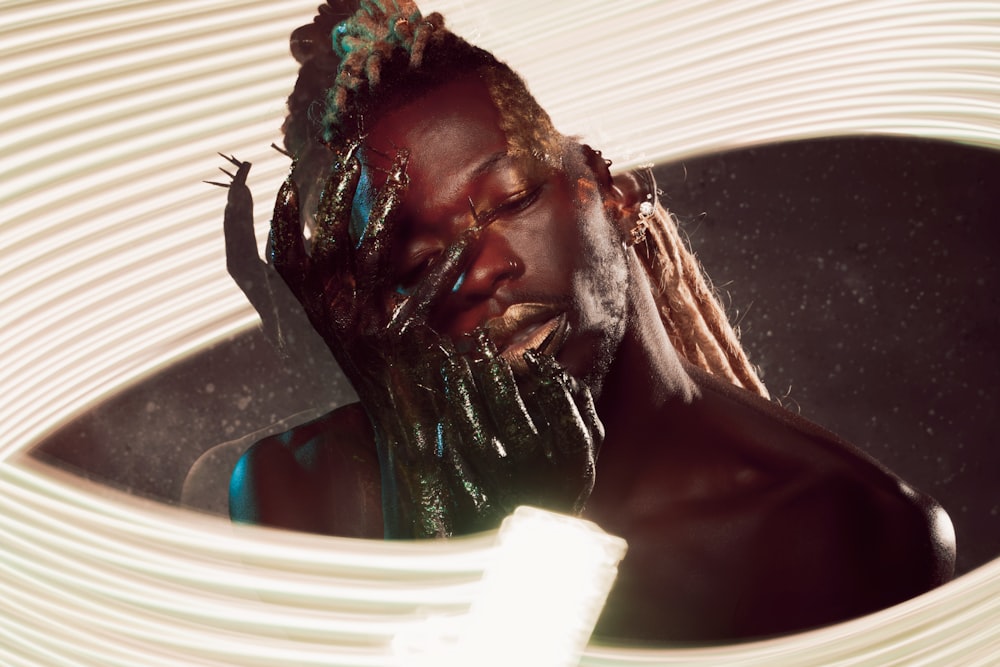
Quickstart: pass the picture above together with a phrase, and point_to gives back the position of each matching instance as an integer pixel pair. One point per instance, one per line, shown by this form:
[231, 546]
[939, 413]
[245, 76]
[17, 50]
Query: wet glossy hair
[360, 58]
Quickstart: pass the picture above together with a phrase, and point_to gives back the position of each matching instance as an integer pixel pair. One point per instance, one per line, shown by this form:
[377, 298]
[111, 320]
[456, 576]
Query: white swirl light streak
[114, 267]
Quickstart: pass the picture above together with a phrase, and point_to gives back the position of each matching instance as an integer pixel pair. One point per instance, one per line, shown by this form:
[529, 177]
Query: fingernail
[531, 358]
[485, 343]
[544, 345]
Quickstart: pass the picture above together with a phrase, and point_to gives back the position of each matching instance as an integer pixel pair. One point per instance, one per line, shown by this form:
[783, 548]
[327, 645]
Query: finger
[500, 392]
[439, 281]
[588, 412]
[331, 242]
[419, 501]
[571, 436]
[408, 414]
[470, 498]
[287, 247]
[465, 405]
[414, 427]
[232, 159]
[373, 251]
[232, 177]
[557, 410]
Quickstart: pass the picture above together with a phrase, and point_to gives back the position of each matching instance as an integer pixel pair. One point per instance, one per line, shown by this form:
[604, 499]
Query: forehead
[449, 132]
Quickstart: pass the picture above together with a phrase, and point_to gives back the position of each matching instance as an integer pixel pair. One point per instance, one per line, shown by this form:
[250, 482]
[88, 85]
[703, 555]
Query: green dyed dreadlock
[378, 34]
[363, 57]
[390, 52]
[360, 58]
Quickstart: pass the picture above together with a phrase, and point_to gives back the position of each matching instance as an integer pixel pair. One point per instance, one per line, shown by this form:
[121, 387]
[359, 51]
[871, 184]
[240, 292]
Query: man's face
[547, 266]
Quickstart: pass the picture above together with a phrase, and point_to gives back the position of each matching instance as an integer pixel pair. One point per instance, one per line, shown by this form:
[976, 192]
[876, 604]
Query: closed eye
[513, 205]
[415, 269]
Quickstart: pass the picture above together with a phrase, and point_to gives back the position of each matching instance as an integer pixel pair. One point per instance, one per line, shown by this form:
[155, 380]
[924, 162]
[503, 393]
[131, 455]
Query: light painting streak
[114, 268]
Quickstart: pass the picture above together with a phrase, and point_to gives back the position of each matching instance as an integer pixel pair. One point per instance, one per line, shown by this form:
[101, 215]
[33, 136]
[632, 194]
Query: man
[524, 328]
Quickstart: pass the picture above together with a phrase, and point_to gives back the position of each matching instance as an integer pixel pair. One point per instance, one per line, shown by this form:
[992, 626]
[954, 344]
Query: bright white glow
[114, 267]
[542, 596]
[539, 600]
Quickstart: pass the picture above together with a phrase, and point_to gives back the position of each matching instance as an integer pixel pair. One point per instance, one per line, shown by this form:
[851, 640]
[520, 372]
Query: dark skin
[460, 443]
[742, 520]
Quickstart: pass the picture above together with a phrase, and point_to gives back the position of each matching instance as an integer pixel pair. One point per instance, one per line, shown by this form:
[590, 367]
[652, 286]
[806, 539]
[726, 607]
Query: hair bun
[313, 43]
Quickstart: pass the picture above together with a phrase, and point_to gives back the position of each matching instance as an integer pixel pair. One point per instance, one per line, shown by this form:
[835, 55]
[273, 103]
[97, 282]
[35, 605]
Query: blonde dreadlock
[689, 308]
[367, 56]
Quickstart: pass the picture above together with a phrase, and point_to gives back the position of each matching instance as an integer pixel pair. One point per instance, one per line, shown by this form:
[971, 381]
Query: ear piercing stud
[637, 234]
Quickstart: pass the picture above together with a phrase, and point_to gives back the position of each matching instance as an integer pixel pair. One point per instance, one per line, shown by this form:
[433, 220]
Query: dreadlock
[689, 307]
[359, 57]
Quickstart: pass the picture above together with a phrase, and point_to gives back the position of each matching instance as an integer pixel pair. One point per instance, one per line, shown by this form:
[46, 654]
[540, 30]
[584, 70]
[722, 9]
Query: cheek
[553, 254]
[551, 242]
[603, 274]
[572, 250]
[599, 284]
[599, 291]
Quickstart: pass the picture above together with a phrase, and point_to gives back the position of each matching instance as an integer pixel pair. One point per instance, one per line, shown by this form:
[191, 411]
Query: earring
[637, 234]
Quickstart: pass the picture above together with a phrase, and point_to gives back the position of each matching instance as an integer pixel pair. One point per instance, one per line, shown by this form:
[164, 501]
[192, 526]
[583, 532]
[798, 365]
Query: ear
[622, 193]
[601, 169]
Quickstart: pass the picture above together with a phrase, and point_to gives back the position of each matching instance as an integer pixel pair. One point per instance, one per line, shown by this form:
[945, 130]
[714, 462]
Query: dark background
[862, 274]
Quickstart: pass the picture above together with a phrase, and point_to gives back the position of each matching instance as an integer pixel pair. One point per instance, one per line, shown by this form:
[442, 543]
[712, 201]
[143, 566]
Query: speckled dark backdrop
[861, 271]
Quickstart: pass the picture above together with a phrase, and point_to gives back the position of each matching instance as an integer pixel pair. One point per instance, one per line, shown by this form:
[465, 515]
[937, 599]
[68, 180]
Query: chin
[591, 362]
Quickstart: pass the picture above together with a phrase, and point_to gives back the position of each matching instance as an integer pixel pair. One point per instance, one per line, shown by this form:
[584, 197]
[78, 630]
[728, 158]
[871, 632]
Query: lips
[526, 326]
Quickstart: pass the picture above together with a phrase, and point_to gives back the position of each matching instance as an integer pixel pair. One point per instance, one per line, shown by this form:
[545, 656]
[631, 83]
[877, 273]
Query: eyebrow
[487, 164]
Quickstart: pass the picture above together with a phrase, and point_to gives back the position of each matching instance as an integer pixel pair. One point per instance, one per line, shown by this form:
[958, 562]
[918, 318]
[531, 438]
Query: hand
[532, 444]
[460, 443]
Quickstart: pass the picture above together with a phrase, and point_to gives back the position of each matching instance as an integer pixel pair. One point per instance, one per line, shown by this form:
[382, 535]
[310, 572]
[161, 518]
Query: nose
[495, 262]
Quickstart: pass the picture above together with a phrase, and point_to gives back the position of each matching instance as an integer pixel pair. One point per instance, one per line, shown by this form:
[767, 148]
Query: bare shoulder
[746, 520]
[845, 534]
[321, 477]
[827, 470]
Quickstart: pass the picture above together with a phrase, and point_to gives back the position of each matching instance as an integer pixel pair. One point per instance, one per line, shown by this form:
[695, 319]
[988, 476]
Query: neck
[647, 376]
